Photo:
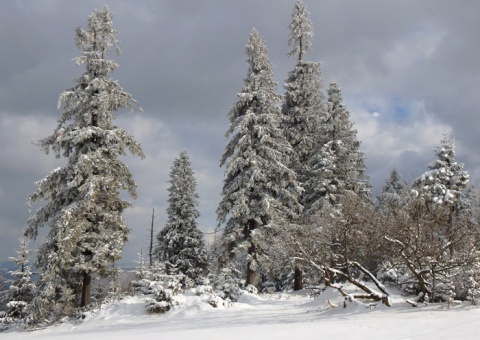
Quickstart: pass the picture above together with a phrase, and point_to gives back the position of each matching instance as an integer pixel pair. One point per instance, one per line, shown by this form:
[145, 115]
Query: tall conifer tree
[83, 208]
[259, 190]
[180, 244]
[338, 164]
[303, 106]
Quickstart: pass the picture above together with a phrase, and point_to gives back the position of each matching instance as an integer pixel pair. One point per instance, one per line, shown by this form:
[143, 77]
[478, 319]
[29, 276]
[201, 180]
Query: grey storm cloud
[408, 70]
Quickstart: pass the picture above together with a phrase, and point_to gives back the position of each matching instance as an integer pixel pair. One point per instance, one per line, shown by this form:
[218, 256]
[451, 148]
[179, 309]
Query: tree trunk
[87, 280]
[450, 230]
[250, 276]
[252, 225]
[298, 283]
[250, 271]
[150, 252]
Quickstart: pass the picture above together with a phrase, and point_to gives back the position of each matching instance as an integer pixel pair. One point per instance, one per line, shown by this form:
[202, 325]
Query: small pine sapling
[22, 289]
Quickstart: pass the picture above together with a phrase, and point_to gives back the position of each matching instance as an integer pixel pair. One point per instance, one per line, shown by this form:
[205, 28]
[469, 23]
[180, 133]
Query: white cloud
[389, 143]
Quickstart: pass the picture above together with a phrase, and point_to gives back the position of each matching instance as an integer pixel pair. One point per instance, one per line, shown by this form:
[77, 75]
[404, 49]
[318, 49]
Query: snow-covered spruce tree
[143, 275]
[394, 192]
[393, 185]
[260, 192]
[227, 284]
[337, 202]
[303, 106]
[180, 244]
[444, 183]
[469, 204]
[82, 204]
[22, 288]
[164, 288]
[445, 180]
[337, 165]
[304, 113]
[153, 280]
[342, 138]
[301, 31]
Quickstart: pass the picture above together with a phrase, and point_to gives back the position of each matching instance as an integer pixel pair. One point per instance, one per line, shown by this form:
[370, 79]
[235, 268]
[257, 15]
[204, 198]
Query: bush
[228, 285]
[164, 294]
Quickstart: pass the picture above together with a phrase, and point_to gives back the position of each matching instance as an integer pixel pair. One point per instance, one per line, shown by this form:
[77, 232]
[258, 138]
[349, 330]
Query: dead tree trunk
[150, 251]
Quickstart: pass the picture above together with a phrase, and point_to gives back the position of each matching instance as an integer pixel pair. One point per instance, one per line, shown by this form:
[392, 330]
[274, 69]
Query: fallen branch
[379, 285]
[332, 304]
[331, 272]
[340, 289]
[411, 303]
[371, 294]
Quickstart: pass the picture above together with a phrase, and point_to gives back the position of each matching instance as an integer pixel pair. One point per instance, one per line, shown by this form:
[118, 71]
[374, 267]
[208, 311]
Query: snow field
[269, 316]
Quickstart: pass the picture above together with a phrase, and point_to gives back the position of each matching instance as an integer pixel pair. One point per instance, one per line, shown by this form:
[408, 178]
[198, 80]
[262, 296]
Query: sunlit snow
[269, 316]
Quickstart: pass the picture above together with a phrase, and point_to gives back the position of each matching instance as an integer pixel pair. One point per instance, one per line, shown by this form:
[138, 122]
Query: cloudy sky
[409, 71]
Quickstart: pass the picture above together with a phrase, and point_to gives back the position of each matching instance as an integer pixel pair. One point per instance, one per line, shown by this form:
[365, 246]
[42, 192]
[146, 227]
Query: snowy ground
[275, 316]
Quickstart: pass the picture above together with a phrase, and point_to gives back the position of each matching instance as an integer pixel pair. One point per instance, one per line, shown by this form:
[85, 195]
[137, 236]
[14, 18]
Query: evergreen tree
[22, 288]
[393, 192]
[304, 113]
[83, 208]
[445, 180]
[259, 190]
[468, 205]
[146, 276]
[393, 184]
[301, 31]
[303, 105]
[180, 244]
[337, 193]
[338, 165]
[443, 184]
